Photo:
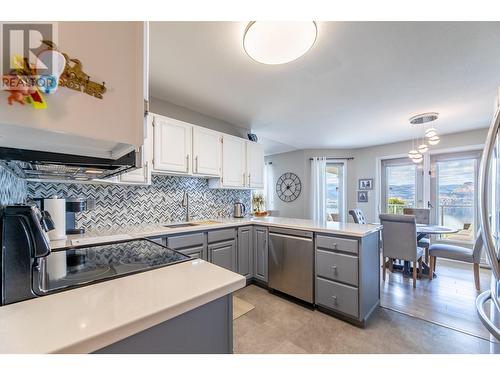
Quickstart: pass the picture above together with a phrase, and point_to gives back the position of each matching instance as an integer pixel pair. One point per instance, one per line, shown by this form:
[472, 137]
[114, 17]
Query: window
[335, 191]
[401, 185]
[454, 181]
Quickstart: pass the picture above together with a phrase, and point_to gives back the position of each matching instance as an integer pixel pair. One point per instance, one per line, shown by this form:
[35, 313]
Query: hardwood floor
[448, 300]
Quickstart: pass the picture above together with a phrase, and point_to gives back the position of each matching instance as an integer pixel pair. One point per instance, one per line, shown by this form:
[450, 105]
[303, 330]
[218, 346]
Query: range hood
[43, 165]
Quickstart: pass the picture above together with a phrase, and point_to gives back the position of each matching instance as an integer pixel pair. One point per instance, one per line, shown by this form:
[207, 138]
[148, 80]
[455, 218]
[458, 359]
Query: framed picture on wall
[362, 196]
[365, 184]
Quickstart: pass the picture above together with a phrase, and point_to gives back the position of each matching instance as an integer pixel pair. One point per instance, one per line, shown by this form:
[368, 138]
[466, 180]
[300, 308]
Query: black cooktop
[89, 264]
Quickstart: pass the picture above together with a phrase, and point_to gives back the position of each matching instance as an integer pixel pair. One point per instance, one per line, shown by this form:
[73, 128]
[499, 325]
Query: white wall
[171, 110]
[364, 165]
[295, 162]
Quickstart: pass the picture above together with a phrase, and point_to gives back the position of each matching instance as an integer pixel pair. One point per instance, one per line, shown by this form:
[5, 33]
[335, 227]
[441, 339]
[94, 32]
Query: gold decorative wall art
[73, 76]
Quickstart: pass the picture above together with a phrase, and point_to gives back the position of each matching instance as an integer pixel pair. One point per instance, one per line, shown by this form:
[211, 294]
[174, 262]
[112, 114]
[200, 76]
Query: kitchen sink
[191, 224]
[206, 222]
[181, 225]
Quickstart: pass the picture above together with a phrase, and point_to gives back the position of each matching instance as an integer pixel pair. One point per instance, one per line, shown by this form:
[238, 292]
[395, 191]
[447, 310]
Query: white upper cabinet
[233, 162]
[206, 152]
[179, 148]
[172, 141]
[255, 165]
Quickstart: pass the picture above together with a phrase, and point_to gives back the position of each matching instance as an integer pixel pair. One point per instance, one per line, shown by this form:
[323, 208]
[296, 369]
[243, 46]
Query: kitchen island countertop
[86, 319]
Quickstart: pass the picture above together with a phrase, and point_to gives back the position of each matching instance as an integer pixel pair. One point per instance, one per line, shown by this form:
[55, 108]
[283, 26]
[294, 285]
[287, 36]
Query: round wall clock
[288, 187]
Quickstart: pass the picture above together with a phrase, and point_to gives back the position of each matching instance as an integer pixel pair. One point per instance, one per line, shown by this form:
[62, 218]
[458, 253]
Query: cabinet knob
[334, 298]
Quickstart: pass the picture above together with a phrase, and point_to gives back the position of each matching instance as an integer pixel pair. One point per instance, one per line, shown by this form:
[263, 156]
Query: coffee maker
[25, 248]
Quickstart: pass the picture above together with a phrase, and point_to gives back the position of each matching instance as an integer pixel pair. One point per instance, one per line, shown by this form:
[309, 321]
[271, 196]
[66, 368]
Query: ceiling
[356, 87]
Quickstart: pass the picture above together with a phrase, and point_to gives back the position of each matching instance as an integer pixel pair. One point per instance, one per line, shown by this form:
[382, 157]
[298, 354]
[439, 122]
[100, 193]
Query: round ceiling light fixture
[275, 43]
[424, 118]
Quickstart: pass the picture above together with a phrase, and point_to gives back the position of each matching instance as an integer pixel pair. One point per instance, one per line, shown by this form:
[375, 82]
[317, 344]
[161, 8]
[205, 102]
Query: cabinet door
[255, 165]
[194, 252]
[224, 255]
[260, 253]
[245, 251]
[142, 175]
[233, 162]
[172, 145]
[206, 152]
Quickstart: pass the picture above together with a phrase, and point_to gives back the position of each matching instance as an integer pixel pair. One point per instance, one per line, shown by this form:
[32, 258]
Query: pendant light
[429, 138]
[277, 43]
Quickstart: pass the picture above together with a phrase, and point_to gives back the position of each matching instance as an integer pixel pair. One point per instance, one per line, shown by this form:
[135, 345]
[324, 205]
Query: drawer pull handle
[334, 269]
[334, 300]
[335, 246]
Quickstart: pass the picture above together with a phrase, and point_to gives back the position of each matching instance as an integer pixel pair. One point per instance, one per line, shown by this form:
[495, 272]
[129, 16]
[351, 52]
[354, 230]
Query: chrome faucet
[185, 203]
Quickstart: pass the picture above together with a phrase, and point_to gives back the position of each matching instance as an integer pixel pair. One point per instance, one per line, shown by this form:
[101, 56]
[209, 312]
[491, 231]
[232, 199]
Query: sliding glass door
[454, 181]
[401, 185]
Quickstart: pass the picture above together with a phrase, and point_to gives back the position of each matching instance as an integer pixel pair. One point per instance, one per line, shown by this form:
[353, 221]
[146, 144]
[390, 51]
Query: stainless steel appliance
[26, 252]
[239, 210]
[488, 302]
[291, 262]
[74, 205]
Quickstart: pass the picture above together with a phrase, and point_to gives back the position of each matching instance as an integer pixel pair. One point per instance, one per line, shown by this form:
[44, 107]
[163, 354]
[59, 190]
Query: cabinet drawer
[338, 267]
[221, 235]
[337, 296]
[188, 240]
[337, 243]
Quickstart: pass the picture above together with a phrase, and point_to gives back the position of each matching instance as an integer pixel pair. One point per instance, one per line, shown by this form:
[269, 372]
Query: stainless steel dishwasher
[291, 262]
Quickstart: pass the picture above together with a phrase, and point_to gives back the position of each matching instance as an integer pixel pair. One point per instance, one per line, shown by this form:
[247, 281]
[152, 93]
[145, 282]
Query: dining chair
[422, 216]
[399, 238]
[357, 216]
[463, 254]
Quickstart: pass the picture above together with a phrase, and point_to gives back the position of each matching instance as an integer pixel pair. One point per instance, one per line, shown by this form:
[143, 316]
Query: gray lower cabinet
[193, 244]
[207, 329]
[222, 248]
[260, 243]
[347, 275]
[223, 254]
[245, 251]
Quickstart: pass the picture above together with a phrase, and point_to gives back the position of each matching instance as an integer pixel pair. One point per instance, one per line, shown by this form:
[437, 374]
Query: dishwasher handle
[290, 237]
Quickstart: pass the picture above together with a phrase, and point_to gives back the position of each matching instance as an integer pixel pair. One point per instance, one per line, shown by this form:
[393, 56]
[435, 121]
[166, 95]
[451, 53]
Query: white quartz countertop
[85, 319]
[152, 230]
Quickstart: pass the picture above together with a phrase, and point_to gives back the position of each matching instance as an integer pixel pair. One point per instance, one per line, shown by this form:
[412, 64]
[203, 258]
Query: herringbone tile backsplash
[133, 204]
[12, 188]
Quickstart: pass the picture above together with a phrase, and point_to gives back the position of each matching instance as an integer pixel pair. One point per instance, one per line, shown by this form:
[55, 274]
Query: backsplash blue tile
[12, 188]
[135, 204]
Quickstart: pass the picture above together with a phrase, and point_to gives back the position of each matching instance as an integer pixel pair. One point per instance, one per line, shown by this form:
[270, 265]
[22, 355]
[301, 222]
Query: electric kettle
[239, 210]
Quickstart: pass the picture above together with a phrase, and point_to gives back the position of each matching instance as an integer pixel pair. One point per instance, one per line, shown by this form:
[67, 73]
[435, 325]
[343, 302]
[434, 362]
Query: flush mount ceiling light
[430, 134]
[276, 43]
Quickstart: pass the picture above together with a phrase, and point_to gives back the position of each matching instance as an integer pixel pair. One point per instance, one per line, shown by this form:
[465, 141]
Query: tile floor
[277, 325]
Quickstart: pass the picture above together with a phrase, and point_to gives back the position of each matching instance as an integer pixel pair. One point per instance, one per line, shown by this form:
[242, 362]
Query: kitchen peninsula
[122, 315]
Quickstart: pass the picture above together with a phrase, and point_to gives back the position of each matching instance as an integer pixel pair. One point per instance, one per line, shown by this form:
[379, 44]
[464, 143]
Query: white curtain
[268, 186]
[318, 189]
